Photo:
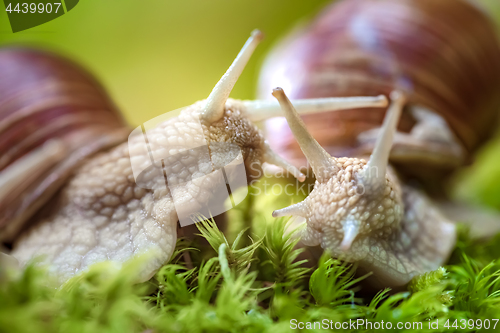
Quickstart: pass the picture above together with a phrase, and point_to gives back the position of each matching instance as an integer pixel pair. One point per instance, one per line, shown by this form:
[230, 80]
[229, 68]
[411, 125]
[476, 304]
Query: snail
[359, 211]
[75, 191]
[443, 58]
[443, 55]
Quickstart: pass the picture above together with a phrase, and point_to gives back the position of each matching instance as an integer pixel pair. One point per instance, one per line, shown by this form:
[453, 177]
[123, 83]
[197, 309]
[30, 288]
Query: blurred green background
[158, 55]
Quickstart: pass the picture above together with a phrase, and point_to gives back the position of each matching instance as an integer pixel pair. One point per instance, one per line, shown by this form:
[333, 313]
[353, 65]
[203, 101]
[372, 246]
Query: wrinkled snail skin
[442, 54]
[104, 215]
[443, 57]
[359, 211]
[101, 212]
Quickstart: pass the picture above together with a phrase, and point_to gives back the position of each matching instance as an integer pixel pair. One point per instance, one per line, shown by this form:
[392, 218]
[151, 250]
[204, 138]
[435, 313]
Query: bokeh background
[158, 55]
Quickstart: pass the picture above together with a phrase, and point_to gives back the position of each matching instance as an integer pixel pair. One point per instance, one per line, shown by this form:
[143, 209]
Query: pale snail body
[359, 210]
[443, 56]
[101, 213]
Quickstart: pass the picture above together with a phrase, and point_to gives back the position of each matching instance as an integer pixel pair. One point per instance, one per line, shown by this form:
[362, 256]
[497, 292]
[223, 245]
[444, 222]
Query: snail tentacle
[261, 110]
[214, 107]
[298, 209]
[272, 157]
[373, 176]
[322, 163]
[351, 229]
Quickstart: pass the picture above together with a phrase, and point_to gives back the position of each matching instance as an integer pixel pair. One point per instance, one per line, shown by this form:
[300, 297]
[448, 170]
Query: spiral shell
[444, 55]
[52, 115]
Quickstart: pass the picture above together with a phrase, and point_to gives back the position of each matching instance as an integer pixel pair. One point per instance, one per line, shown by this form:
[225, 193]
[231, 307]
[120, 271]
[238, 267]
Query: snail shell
[444, 55]
[53, 114]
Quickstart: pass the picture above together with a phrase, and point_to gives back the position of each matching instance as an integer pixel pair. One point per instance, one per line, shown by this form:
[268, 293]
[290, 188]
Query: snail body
[359, 211]
[125, 198]
[442, 57]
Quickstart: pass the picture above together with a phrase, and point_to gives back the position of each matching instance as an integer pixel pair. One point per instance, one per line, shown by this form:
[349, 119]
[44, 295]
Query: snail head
[355, 204]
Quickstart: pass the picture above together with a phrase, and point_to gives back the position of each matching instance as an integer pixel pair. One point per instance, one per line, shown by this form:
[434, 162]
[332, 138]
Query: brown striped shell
[46, 99]
[443, 54]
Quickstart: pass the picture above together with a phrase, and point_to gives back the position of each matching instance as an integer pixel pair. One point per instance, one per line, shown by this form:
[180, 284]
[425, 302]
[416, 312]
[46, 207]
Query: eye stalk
[214, 107]
[322, 163]
[259, 110]
[353, 200]
[373, 176]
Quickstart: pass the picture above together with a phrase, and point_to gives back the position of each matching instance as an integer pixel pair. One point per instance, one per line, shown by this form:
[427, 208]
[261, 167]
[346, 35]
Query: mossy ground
[253, 282]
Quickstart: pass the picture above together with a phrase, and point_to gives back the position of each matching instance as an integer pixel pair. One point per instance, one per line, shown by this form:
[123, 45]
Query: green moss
[260, 282]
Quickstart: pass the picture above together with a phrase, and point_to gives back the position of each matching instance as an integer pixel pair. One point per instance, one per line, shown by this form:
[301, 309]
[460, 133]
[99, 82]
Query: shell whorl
[47, 101]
